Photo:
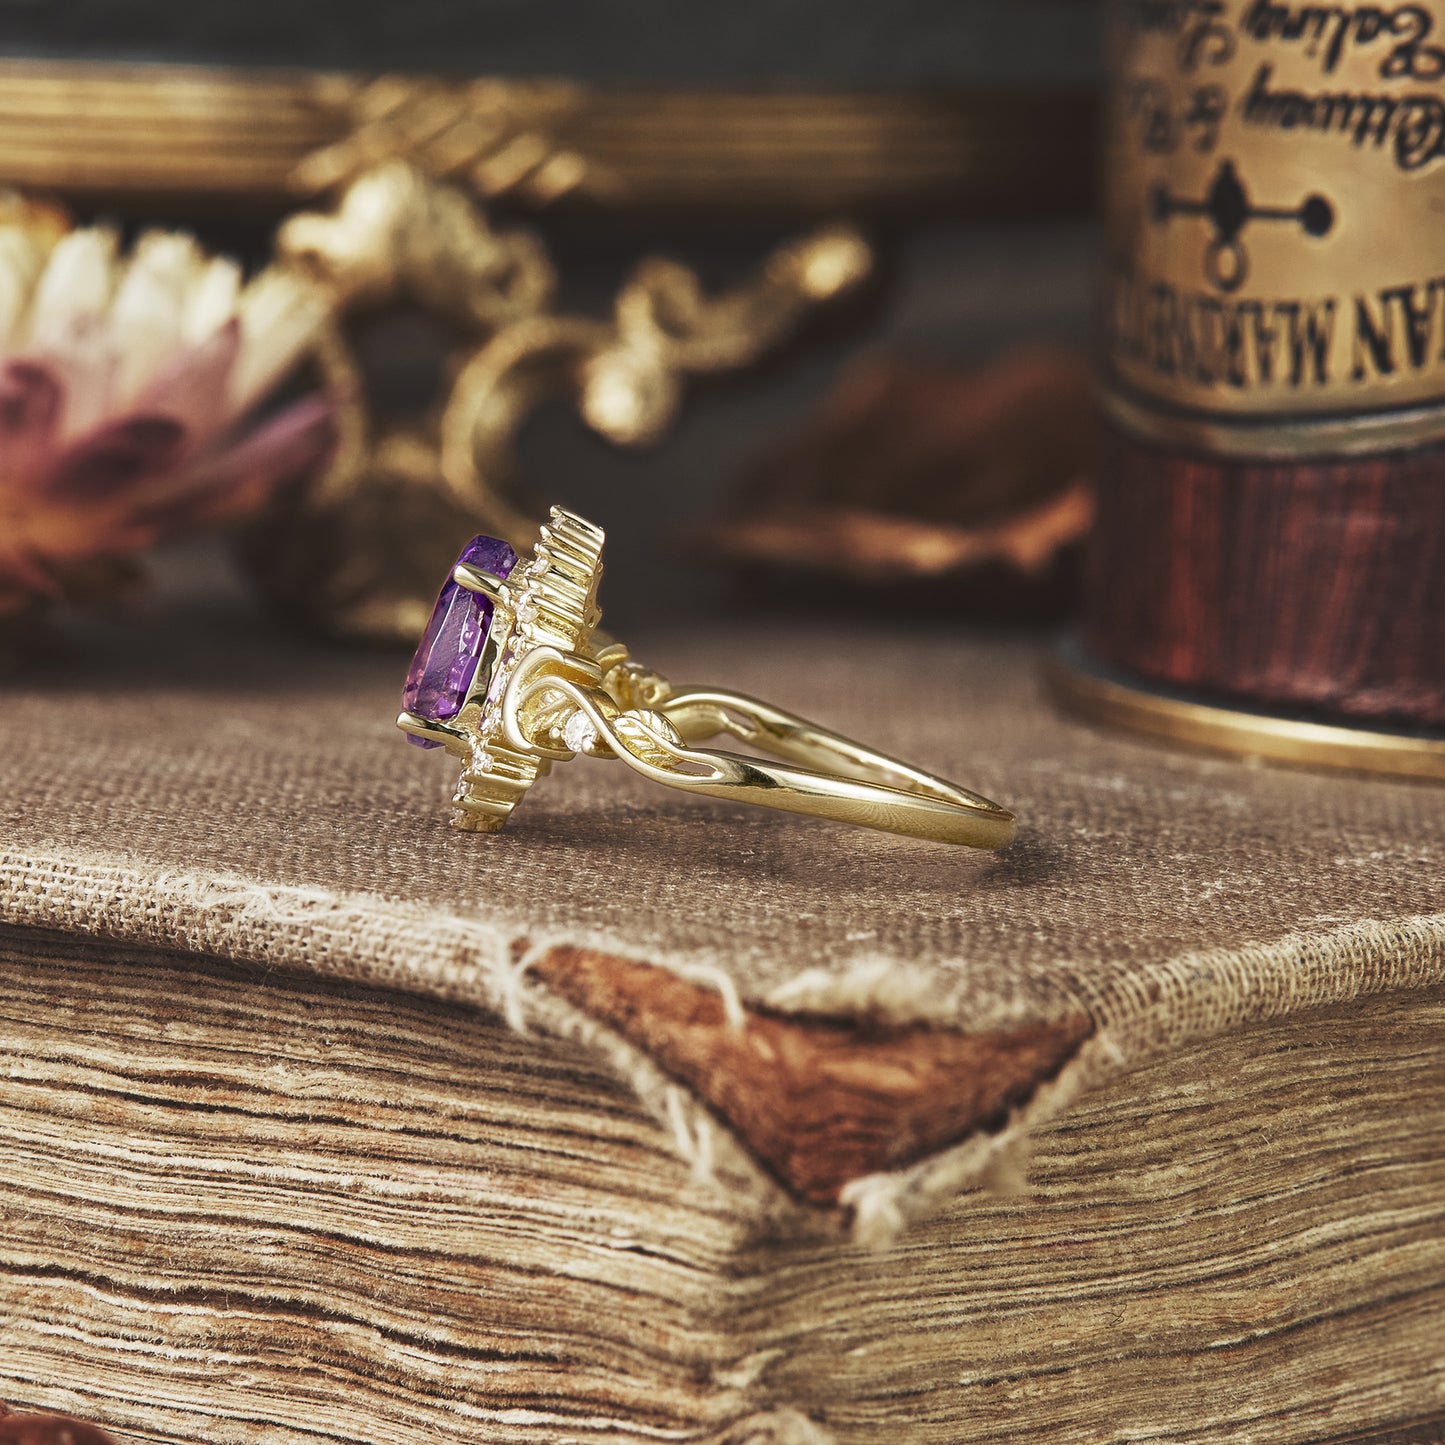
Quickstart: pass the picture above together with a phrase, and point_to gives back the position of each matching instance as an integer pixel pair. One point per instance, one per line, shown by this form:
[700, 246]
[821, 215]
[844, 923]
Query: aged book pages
[788, 1066]
[288, 1209]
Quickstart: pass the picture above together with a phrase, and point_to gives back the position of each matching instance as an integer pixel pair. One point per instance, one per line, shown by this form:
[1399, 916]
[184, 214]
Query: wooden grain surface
[1317, 586]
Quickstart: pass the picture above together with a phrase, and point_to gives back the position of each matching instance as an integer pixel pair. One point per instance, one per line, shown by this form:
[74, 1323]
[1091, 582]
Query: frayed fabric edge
[468, 961]
[774, 1427]
[1247, 986]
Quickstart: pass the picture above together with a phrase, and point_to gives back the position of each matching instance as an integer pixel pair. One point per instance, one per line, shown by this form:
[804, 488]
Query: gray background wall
[826, 42]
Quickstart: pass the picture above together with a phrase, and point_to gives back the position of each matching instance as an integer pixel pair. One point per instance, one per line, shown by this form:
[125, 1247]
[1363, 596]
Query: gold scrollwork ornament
[355, 552]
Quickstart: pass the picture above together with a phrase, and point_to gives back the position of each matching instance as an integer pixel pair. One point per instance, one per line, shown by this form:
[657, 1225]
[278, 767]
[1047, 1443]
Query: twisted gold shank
[838, 777]
[835, 777]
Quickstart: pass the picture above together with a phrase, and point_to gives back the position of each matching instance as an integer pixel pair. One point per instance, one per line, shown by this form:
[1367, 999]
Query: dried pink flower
[129, 387]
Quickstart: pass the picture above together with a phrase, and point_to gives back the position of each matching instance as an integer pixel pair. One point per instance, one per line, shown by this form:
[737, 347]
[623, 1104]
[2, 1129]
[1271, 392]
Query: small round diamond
[579, 733]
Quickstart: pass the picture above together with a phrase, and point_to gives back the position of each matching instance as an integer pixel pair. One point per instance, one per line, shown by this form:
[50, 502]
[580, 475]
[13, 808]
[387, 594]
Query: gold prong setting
[549, 601]
[425, 728]
[483, 583]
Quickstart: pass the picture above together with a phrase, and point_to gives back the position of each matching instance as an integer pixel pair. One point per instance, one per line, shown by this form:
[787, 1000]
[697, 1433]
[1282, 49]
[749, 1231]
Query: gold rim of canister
[1102, 695]
[1272, 438]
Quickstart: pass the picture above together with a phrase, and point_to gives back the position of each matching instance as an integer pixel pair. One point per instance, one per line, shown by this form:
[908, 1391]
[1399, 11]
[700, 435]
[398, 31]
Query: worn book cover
[652, 1120]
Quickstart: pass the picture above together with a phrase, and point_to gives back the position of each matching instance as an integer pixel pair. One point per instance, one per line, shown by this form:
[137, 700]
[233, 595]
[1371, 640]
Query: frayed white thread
[513, 985]
[885, 1204]
[778, 1427]
[693, 1132]
[1005, 1174]
[1110, 1052]
[709, 975]
[719, 980]
[704, 1165]
[870, 985]
[677, 1118]
[743, 1374]
[878, 1217]
[232, 895]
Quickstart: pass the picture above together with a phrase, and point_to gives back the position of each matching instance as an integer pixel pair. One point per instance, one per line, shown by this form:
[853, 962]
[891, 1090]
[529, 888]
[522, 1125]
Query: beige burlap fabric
[218, 789]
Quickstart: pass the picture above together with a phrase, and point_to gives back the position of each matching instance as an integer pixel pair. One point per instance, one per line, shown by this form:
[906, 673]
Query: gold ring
[512, 675]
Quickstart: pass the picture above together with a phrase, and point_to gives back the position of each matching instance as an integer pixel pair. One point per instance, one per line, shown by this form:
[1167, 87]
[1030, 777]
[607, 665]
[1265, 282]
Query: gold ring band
[513, 675]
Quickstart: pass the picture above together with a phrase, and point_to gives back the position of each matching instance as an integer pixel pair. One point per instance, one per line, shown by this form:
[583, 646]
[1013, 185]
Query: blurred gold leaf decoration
[357, 553]
[131, 394]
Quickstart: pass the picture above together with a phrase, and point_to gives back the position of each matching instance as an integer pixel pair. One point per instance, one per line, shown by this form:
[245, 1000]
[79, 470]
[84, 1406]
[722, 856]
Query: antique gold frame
[238, 139]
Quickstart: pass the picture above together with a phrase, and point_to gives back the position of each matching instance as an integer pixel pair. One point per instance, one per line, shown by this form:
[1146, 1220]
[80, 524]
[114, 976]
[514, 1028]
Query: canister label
[1276, 222]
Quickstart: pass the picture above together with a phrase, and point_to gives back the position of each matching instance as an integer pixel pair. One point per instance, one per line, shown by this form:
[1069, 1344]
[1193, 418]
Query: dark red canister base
[1314, 587]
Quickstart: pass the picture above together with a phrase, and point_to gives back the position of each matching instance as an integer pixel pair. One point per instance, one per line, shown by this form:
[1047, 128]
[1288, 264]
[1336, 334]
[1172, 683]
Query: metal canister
[1271, 535]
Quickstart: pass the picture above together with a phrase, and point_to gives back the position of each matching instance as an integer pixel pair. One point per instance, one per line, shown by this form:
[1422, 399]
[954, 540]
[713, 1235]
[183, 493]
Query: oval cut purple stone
[446, 659]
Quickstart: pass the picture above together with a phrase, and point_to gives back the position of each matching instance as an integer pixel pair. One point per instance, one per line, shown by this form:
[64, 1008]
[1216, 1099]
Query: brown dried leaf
[918, 470]
[876, 545]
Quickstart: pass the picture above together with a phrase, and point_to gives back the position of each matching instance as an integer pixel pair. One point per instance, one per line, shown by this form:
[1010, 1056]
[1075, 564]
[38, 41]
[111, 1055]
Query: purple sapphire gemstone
[446, 658]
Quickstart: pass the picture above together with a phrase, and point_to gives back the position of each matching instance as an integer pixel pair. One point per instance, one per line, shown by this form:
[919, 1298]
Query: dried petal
[74, 290]
[32, 396]
[211, 299]
[150, 304]
[22, 257]
[240, 479]
[280, 314]
[28, 233]
[22, 580]
[192, 385]
[122, 420]
[927, 477]
[881, 546]
[117, 458]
